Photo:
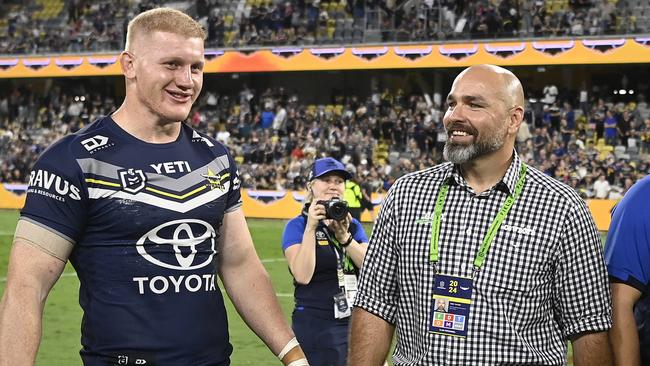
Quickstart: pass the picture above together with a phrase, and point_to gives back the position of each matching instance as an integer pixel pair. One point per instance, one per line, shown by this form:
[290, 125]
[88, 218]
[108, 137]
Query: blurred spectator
[274, 136]
[90, 26]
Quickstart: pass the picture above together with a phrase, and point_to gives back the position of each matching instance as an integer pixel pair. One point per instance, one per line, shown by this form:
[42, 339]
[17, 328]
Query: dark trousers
[323, 338]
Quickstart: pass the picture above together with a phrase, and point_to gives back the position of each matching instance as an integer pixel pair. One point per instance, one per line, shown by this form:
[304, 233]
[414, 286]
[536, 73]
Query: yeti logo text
[133, 180]
[181, 244]
[94, 142]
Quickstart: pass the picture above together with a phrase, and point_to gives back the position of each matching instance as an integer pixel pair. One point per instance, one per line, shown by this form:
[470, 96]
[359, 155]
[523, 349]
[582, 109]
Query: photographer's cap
[327, 165]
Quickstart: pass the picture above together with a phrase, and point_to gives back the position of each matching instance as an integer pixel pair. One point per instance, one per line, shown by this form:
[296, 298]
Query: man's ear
[515, 118]
[127, 63]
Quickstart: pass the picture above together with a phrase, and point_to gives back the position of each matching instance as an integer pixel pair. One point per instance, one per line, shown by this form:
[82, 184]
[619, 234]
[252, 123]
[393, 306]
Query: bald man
[514, 253]
[148, 211]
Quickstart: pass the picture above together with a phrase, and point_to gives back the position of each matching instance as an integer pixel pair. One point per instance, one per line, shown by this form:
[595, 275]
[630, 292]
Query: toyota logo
[196, 236]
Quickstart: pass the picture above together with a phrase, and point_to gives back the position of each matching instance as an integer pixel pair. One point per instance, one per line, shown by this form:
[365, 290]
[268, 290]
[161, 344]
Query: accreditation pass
[452, 297]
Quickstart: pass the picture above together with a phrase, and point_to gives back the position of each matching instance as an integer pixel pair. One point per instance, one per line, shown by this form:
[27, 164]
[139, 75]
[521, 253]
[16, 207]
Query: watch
[347, 242]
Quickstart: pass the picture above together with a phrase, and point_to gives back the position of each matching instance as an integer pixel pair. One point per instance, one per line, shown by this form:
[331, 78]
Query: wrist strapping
[300, 362]
[290, 345]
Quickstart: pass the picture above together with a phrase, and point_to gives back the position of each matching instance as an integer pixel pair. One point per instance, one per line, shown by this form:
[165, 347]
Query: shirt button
[468, 231]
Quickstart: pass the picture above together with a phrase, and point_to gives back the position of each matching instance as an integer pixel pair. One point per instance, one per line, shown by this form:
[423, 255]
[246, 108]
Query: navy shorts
[323, 338]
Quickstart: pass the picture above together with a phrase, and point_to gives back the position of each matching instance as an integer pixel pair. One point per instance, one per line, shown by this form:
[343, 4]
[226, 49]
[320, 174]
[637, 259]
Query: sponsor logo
[133, 180]
[198, 138]
[172, 167]
[96, 143]
[427, 218]
[52, 185]
[184, 245]
[236, 183]
[162, 284]
[518, 230]
[214, 180]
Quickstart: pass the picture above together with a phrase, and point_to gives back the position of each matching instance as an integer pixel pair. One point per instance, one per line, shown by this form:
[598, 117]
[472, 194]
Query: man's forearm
[20, 329]
[592, 349]
[250, 290]
[370, 339]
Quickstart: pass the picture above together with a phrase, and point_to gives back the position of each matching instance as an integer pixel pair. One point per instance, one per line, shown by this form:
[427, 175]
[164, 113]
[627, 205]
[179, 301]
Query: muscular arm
[249, 287]
[623, 335]
[30, 277]
[370, 339]
[592, 349]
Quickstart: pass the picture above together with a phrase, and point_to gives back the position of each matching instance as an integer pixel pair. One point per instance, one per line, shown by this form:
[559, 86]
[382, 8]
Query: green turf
[62, 317]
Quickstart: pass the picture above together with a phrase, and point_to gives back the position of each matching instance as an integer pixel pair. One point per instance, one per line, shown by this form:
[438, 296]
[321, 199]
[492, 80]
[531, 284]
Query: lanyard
[492, 231]
[345, 263]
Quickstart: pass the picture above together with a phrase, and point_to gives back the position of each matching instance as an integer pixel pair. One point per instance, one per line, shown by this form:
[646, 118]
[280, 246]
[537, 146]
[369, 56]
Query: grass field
[62, 317]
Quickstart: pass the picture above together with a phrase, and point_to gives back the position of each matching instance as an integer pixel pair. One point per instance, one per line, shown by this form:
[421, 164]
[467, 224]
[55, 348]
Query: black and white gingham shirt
[543, 280]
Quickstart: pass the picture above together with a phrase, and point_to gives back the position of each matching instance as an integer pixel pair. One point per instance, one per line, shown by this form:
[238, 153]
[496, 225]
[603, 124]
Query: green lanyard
[492, 231]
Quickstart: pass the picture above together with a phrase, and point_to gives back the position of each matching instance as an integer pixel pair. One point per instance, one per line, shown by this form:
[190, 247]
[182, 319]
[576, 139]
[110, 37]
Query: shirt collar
[507, 183]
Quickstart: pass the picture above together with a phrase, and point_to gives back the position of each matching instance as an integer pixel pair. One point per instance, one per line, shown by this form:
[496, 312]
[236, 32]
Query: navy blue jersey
[144, 220]
[319, 292]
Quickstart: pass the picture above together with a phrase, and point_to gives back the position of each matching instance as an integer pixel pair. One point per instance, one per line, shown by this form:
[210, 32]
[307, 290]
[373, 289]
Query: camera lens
[337, 210]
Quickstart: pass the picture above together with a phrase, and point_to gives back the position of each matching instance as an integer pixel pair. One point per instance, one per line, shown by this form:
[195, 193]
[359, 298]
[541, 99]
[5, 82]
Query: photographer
[324, 247]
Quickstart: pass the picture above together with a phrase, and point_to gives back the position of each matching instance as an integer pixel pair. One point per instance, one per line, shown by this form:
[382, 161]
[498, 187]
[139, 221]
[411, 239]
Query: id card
[341, 306]
[350, 287]
[452, 297]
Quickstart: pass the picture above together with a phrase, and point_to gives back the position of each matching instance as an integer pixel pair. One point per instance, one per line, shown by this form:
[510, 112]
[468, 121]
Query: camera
[335, 209]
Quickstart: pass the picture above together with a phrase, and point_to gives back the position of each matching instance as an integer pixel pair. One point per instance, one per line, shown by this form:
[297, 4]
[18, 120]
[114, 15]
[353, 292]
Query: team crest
[214, 180]
[133, 180]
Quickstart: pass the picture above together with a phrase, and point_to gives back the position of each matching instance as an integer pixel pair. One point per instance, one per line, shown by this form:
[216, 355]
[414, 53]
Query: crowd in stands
[90, 26]
[600, 148]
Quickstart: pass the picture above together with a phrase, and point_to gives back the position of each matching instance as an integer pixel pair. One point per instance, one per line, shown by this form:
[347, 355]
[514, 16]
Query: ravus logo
[95, 143]
[47, 180]
[133, 180]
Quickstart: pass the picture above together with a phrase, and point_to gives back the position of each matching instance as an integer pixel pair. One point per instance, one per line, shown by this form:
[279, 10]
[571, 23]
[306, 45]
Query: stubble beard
[461, 153]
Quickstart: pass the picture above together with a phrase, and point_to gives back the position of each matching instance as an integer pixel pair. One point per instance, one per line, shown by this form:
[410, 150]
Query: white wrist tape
[292, 343]
[300, 362]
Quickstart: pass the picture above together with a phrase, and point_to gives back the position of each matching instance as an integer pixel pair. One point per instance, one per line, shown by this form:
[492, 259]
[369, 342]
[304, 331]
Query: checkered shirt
[543, 280]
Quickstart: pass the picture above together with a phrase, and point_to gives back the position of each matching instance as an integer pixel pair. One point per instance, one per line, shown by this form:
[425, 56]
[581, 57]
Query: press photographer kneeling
[324, 247]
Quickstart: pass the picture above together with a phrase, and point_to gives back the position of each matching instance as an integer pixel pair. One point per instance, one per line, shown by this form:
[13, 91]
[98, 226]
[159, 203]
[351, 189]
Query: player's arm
[33, 270]
[623, 335]
[370, 339]
[249, 287]
[592, 349]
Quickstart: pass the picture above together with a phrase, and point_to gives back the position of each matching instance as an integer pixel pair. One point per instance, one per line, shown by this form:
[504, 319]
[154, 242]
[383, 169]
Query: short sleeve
[359, 234]
[581, 286]
[627, 249]
[293, 232]
[57, 195]
[378, 289]
[234, 195]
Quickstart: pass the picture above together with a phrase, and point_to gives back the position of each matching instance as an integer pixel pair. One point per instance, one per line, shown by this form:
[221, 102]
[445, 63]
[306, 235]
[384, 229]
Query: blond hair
[162, 20]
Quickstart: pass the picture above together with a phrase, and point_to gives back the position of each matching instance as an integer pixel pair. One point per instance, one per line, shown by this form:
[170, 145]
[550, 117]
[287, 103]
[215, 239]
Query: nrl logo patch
[133, 180]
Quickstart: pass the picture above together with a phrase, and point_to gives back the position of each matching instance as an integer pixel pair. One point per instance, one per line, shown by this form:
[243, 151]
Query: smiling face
[328, 186]
[167, 74]
[479, 118]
